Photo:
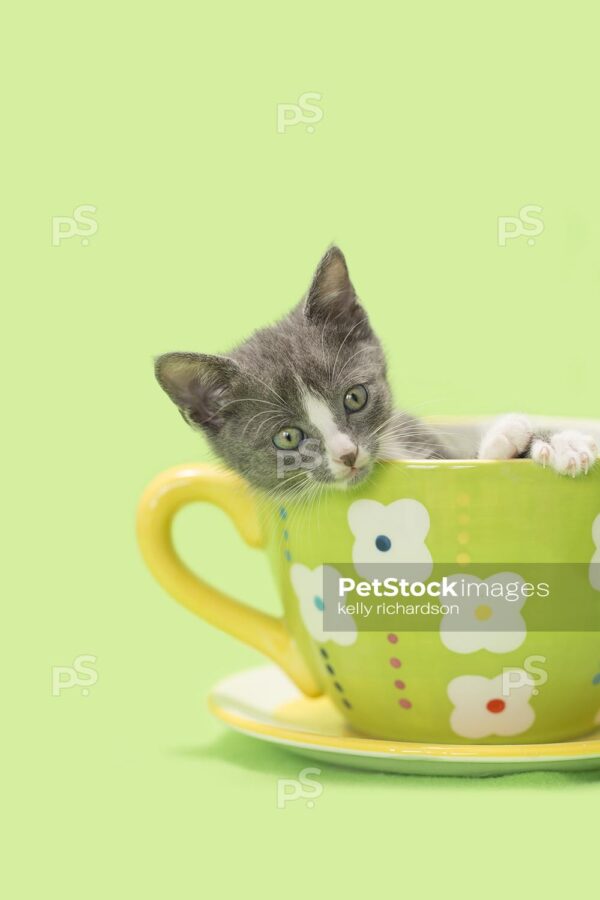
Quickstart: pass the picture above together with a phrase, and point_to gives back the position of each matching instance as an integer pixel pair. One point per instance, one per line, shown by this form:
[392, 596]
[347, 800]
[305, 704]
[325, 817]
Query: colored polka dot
[282, 512]
[463, 500]
[596, 678]
[462, 537]
[496, 706]
[288, 555]
[339, 687]
[383, 543]
[400, 685]
[393, 638]
[319, 603]
[395, 662]
[405, 704]
[286, 534]
[483, 612]
[463, 558]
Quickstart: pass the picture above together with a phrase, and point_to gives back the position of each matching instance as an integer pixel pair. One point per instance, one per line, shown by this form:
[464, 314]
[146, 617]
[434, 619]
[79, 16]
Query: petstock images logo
[483, 598]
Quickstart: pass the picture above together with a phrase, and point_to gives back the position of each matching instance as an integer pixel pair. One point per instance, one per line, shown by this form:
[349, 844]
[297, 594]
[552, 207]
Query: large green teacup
[501, 672]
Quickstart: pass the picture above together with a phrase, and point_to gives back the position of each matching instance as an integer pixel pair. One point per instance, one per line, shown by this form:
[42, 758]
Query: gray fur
[324, 345]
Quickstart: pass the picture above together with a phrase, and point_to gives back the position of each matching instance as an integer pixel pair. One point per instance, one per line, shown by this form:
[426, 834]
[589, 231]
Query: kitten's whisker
[244, 400]
[273, 391]
[316, 501]
[394, 415]
[397, 451]
[392, 439]
[266, 500]
[280, 489]
[263, 412]
[305, 502]
[414, 433]
[299, 382]
[325, 363]
[315, 494]
[295, 494]
[416, 427]
[360, 322]
[279, 425]
[348, 361]
[357, 376]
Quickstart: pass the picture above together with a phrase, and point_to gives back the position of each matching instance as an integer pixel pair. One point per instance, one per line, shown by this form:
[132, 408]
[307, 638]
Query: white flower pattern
[485, 622]
[491, 706]
[308, 586]
[393, 534]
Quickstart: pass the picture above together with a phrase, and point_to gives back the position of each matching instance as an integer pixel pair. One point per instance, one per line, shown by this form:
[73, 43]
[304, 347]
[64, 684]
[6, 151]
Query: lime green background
[437, 120]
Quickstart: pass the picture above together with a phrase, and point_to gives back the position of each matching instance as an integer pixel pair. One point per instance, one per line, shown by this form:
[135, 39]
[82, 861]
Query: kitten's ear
[331, 295]
[196, 383]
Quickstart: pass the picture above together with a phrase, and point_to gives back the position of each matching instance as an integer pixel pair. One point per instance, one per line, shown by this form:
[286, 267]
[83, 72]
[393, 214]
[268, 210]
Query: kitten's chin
[352, 479]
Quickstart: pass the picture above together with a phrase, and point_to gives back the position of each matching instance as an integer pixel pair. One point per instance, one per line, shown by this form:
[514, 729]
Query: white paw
[542, 453]
[507, 438]
[568, 452]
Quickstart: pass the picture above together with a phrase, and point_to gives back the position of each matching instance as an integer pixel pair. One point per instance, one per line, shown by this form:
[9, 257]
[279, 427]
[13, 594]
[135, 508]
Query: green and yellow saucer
[264, 703]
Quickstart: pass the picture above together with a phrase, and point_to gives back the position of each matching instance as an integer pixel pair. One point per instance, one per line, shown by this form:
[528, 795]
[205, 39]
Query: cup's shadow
[270, 759]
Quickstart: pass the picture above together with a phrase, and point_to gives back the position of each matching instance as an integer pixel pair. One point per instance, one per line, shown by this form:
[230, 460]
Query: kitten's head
[301, 402]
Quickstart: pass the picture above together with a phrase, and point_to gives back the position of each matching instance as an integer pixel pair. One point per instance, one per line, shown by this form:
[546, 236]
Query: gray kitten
[307, 400]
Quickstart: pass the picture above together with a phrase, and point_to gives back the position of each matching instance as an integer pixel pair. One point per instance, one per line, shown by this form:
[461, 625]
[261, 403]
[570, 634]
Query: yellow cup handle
[159, 504]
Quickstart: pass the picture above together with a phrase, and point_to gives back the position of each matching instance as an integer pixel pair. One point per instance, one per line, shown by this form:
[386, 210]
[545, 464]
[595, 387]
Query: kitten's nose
[349, 458]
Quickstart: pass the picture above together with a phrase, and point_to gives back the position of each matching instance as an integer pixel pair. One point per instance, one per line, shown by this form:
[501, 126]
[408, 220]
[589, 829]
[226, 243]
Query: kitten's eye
[356, 398]
[288, 438]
